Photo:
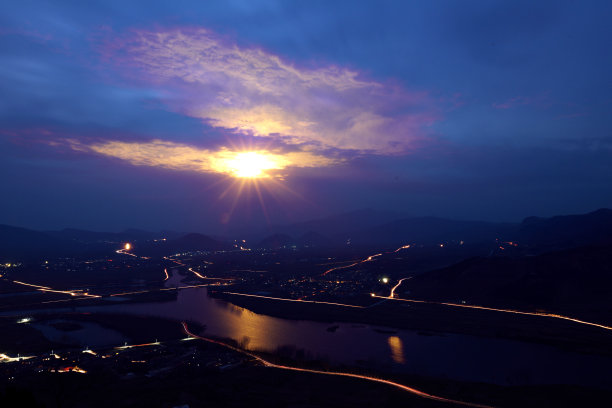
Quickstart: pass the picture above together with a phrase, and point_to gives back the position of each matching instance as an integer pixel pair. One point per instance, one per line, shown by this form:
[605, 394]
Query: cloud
[182, 157]
[255, 92]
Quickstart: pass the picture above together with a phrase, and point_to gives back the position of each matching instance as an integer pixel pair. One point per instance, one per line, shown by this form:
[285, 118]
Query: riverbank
[428, 318]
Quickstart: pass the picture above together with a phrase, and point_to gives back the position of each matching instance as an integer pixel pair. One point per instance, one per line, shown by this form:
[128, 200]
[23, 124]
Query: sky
[207, 115]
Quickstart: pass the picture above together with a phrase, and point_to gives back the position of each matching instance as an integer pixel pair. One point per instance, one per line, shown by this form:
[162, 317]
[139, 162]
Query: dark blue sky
[116, 115]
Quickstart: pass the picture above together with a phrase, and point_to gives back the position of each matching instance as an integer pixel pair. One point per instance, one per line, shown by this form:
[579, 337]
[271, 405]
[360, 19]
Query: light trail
[368, 259]
[334, 263]
[295, 300]
[166, 272]
[126, 346]
[393, 289]
[493, 309]
[77, 292]
[190, 269]
[206, 277]
[123, 252]
[402, 387]
[196, 273]
[163, 289]
[118, 294]
[4, 358]
[400, 248]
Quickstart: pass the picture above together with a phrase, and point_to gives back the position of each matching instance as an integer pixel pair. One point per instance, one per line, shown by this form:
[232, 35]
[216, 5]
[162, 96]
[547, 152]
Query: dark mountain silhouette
[197, 242]
[568, 230]
[340, 224]
[432, 230]
[95, 236]
[276, 241]
[363, 228]
[21, 243]
[575, 279]
[187, 243]
[313, 239]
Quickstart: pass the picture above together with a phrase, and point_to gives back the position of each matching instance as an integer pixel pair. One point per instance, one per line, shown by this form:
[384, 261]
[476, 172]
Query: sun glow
[253, 164]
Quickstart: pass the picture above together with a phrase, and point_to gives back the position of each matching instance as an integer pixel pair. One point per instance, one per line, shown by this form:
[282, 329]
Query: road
[402, 387]
[393, 289]
[368, 259]
[494, 309]
[295, 300]
[75, 292]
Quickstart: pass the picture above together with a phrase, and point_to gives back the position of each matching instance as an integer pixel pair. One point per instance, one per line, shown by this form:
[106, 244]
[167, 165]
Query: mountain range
[360, 228]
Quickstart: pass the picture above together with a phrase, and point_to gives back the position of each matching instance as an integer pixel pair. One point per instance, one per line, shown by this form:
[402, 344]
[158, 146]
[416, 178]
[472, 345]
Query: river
[451, 356]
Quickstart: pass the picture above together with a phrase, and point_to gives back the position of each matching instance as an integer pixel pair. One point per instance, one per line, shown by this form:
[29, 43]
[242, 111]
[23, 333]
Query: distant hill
[21, 243]
[86, 236]
[197, 242]
[568, 230]
[433, 230]
[276, 241]
[187, 243]
[313, 239]
[576, 279]
[363, 228]
[340, 224]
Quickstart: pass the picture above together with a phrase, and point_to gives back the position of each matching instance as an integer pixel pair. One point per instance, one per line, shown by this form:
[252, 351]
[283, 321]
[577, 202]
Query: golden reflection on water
[251, 330]
[397, 349]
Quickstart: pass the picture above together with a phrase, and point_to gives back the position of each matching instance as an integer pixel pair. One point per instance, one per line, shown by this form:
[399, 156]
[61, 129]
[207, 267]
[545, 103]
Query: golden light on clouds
[256, 163]
[251, 91]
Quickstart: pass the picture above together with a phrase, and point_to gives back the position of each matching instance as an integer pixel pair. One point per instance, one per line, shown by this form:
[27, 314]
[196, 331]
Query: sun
[252, 165]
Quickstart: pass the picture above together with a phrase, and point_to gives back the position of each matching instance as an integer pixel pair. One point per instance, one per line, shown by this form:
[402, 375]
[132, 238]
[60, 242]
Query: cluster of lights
[10, 265]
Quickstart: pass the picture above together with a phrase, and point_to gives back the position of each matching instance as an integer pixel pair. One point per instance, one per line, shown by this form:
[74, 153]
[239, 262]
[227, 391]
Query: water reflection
[397, 349]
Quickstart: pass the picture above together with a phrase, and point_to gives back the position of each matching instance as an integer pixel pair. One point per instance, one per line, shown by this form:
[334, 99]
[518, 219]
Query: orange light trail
[166, 272]
[48, 289]
[403, 387]
[196, 273]
[162, 289]
[4, 358]
[493, 309]
[393, 289]
[368, 259]
[156, 343]
[402, 247]
[123, 252]
[206, 277]
[295, 300]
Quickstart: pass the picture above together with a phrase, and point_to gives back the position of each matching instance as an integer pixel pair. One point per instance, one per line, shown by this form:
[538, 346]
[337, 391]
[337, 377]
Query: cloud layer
[176, 156]
[255, 92]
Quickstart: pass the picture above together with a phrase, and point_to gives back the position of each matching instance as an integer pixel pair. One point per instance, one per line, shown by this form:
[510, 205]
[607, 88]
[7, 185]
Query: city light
[127, 246]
